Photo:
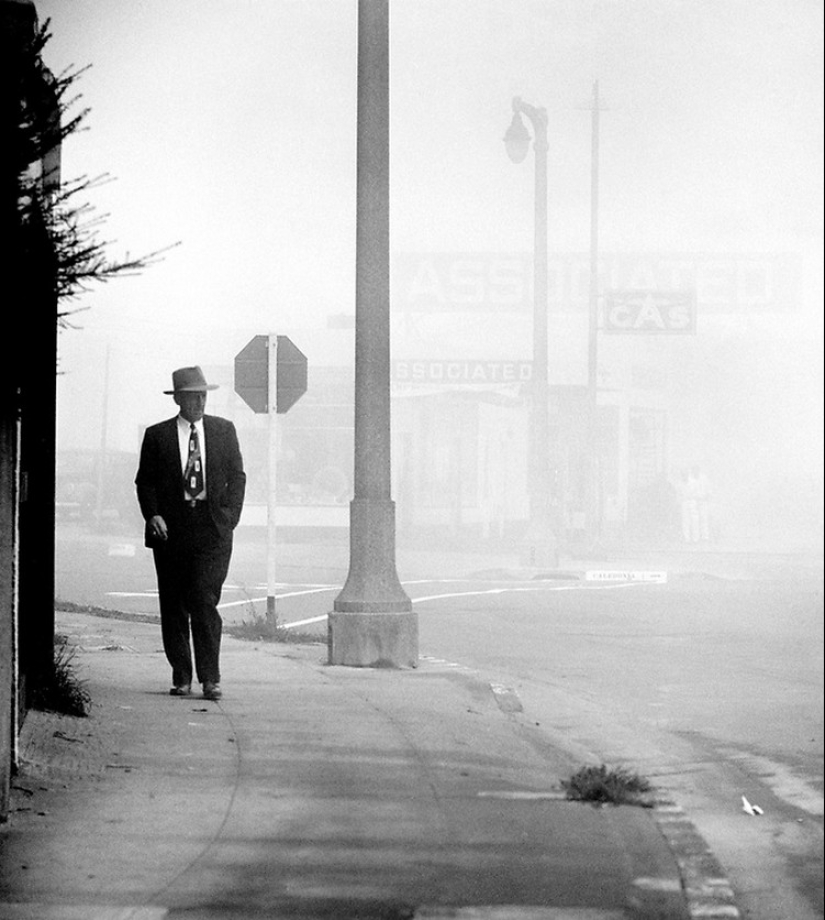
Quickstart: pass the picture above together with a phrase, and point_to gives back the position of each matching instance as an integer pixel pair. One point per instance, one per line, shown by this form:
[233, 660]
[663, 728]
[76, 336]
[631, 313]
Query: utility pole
[372, 623]
[594, 478]
[101, 459]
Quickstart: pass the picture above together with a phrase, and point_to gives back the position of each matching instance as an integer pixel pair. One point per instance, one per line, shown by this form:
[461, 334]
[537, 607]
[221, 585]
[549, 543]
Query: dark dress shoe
[212, 691]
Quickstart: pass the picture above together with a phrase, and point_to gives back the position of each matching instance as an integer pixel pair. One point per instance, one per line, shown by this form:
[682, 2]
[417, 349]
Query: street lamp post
[372, 623]
[542, 548]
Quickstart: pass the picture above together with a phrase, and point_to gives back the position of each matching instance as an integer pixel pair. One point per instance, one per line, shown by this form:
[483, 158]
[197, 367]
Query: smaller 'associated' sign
[650, 312]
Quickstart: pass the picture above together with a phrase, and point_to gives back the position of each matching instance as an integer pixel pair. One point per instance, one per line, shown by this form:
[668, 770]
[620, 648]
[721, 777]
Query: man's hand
[156, 528]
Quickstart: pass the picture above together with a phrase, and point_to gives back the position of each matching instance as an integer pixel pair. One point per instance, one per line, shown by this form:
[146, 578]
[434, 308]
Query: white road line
[310, 591]
[623, 584]
[576, 587]
[436, 597]
[320, 589]
[416, 600]
[319, 619]
[258, 600]
[131, 594]
[247, 600]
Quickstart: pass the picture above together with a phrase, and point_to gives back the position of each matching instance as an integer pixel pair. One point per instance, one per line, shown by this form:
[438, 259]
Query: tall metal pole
[101, 460]
[594, 511]
[272, 471]
[372, 622]
[542, 545]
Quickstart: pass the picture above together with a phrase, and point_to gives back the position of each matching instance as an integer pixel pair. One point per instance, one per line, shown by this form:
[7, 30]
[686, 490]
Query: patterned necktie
[193, 475]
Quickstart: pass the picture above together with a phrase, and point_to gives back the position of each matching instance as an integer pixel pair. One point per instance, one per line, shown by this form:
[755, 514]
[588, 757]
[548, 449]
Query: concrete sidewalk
[313, 791]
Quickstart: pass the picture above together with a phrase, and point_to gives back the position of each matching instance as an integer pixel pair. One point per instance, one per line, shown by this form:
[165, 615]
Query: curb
[708, 892]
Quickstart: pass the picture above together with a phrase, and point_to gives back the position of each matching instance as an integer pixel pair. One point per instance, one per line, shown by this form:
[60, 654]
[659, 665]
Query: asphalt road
[711, 688]
[710, 684]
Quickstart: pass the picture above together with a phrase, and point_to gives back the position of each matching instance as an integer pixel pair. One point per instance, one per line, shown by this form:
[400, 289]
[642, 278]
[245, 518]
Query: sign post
[272, 467]
[270, 377]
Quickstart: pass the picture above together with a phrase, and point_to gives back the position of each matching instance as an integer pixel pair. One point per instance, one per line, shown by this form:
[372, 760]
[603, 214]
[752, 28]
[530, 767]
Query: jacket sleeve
[147, 479]
[235, 477]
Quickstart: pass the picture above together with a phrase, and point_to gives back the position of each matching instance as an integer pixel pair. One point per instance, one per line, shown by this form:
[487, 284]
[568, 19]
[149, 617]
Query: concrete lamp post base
[372, 623]
[373, 640]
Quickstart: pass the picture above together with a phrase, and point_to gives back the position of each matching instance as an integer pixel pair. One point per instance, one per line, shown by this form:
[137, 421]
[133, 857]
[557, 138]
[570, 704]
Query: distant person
[190, 487]
[687, 506]
[700, 488]
[662, 501]
[695, 495]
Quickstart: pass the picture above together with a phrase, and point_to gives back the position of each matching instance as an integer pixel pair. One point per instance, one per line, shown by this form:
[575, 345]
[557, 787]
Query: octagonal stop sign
[292, 374]
[252, 374]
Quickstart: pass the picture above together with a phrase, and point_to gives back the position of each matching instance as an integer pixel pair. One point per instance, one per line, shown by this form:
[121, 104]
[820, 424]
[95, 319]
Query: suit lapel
[212, 453]
[171, 444]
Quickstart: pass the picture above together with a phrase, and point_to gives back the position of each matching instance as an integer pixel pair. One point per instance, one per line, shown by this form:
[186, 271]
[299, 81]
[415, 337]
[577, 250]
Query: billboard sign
[500, 283]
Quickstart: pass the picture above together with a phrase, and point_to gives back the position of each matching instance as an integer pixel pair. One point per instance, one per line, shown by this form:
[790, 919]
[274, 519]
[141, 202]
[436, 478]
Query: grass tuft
[603, 786]
[261, 628]
[61, 691]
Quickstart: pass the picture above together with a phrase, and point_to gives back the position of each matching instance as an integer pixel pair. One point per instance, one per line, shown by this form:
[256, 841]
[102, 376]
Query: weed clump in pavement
[603, 786]
[61, 691]
[263, 628]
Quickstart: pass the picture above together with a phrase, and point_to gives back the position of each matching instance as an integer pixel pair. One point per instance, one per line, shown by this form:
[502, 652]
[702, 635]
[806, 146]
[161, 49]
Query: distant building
[676, 378]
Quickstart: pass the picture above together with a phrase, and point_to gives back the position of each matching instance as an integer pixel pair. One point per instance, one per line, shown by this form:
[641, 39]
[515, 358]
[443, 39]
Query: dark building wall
[27, 402]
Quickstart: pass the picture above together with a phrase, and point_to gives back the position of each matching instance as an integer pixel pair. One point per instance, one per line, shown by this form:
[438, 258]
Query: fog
[229, 128]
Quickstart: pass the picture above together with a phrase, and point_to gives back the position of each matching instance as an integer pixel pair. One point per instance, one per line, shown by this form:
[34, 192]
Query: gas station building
[674, 334]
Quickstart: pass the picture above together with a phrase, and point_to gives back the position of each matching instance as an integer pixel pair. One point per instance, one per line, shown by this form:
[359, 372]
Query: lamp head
[517, 139]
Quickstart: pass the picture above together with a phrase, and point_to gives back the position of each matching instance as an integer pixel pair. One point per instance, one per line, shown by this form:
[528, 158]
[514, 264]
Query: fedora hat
[189, 380]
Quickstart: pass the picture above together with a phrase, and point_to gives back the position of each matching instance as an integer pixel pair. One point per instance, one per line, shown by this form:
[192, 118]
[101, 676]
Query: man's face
[192, 404]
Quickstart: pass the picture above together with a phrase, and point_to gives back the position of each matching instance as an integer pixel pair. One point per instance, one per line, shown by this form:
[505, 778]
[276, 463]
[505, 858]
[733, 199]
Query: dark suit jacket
[159, 478]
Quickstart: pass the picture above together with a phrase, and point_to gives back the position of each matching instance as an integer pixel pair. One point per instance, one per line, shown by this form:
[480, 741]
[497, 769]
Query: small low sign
[608, 575]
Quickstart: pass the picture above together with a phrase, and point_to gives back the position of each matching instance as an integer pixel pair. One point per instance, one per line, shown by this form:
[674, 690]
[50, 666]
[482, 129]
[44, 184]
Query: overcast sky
[229, 126]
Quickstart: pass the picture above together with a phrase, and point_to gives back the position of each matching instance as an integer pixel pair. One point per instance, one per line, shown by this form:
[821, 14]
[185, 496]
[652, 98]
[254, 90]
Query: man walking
[190, 487]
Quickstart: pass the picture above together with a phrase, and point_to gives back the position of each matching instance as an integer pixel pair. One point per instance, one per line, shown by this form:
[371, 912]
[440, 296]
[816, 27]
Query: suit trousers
[191, 567]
